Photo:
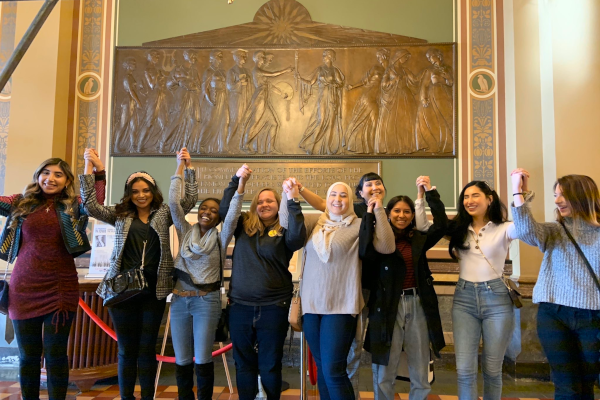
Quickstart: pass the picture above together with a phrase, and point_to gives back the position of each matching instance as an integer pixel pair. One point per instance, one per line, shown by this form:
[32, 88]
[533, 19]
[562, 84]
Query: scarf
[195, 245]
[328, 224]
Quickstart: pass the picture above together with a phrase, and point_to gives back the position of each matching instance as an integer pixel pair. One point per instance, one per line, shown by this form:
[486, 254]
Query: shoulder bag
[128, 284]
[295, 314]
[4, 282]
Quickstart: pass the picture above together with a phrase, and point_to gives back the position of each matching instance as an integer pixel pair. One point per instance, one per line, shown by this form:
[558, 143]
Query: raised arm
[230, 191]
[526, 228]
[311, 198]
[6, 203]
[440, 220]
[175, 199]
[92, 189]
[423, 185]
[295, 234]
[365, 237]
[235, 209]
[383, 240]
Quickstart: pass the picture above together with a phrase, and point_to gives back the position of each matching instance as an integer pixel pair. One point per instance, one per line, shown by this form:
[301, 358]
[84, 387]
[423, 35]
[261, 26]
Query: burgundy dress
[44, 278]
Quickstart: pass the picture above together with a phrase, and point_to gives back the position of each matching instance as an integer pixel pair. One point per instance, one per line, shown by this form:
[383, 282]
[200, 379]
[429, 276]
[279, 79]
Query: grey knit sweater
[563, 279]
[204, 270]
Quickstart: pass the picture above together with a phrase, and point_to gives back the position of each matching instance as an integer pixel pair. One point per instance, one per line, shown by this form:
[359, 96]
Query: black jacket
[260, 274]
[389, 278]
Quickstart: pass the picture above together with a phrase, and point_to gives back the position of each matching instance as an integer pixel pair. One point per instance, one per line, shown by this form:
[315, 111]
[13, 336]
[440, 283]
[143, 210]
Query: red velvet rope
[312, 368]
[113, 335]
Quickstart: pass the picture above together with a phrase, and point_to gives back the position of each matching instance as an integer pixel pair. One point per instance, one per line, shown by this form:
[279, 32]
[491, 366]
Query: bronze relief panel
[393, 101]
[288, 86]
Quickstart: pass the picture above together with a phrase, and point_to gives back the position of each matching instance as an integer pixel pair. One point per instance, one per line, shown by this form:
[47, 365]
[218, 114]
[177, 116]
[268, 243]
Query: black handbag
[4, 282]
[222, 332]
[587, 263]
[126, 285]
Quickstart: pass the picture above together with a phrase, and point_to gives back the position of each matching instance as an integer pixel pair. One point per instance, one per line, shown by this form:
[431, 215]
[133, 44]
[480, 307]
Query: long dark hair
[369, 176]
[33, 195]
[459, 227]
[126, 206]
[581, 192]
[407, 232]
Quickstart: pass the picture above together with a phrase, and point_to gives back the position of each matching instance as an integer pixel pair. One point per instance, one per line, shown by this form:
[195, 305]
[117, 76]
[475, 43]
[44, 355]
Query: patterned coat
[160, 221]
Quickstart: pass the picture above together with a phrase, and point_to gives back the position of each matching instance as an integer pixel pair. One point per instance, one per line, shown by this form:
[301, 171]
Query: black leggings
[137, 322]
[54, 346]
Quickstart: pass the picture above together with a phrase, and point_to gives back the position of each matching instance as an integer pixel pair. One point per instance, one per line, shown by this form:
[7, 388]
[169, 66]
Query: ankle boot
[205, 377]
[184, 374]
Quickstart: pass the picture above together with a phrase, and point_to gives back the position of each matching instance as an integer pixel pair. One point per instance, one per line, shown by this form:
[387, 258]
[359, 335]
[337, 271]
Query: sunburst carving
[284, 23]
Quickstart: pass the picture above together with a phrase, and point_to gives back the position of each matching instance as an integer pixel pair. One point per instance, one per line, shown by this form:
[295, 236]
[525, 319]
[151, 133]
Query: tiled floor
[12, 391]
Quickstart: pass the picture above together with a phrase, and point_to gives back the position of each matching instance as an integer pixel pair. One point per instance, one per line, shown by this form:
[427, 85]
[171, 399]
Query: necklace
[49, 205]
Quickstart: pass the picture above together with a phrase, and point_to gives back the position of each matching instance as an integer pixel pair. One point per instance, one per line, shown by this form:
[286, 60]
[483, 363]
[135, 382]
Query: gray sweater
[204, 270]
[563, 279]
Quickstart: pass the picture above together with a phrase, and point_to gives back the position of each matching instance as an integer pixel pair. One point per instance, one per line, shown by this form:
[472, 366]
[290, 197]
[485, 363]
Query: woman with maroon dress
[46, 229]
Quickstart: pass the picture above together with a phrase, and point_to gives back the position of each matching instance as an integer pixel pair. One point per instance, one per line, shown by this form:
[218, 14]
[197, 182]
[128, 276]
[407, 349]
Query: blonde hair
[251, 220]
[33, 195]
[581, 192]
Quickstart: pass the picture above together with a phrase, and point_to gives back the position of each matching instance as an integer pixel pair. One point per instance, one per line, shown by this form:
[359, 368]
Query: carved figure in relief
[360, 134]
[215, 109]
[156, 114]
[240, 91]
[185, 124]
[483, 85]
[395, 133]
[89, 85]
[260, 124]
[324, 132]
[434, 121]
[127, 125]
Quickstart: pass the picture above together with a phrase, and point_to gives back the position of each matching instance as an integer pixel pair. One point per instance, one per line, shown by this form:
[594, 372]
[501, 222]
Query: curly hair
[33, 195]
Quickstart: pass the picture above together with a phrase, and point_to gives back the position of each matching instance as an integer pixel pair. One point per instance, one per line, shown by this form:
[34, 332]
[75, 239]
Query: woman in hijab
[331, 289]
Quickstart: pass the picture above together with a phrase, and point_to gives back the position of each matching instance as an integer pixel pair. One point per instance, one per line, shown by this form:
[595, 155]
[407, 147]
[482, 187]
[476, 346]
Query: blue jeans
[570, 338]
[329, 338]
[481, 309]
[355, 353]
[193, 324]
[410, 332]
[264, 327]
[37, 335]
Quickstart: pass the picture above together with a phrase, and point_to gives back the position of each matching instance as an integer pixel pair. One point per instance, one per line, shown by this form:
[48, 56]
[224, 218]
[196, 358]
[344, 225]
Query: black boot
[185, 381]
[205, 378]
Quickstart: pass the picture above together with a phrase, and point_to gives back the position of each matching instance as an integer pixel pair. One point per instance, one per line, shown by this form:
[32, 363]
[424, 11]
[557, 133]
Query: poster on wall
[103, 241]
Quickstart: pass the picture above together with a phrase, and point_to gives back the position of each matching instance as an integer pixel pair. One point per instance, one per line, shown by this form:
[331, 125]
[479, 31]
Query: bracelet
[301, 189]
[517, 194]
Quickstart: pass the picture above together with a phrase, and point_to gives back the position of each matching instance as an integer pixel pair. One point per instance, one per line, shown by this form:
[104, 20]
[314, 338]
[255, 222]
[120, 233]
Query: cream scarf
[328, 224]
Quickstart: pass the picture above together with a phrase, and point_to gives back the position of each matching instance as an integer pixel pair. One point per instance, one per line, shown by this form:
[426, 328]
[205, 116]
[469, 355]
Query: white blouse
[494, 242]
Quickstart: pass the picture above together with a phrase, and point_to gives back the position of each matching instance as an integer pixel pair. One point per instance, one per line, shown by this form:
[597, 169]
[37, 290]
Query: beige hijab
[328, 224]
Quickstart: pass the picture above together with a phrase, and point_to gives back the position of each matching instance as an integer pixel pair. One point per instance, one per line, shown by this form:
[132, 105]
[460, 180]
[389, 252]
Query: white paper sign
[103, 242]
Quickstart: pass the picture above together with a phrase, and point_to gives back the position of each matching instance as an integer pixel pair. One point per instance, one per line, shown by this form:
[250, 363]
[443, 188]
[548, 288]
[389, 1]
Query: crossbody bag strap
[585, 260]
[145, 242]
[478, 247]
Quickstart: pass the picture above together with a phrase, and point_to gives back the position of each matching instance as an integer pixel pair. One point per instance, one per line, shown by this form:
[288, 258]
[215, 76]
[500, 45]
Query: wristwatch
[296, 199]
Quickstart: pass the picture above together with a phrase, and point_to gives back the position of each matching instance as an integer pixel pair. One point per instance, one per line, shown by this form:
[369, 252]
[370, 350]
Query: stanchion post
[162, 350]
[303, 368]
